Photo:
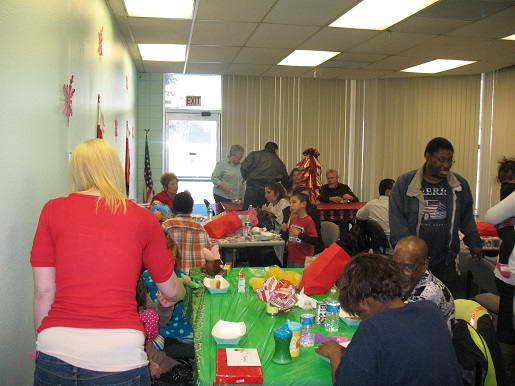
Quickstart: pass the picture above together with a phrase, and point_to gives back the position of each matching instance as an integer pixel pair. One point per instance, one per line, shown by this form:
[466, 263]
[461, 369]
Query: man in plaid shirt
[189, 235]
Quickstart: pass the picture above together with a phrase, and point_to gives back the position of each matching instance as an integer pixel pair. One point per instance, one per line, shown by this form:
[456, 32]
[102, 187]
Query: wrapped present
[248, 372]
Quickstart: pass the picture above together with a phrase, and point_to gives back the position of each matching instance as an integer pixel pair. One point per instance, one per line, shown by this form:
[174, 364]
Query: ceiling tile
[212, 54]
[164, 31]
[163, 67]
[234, 10]
[280, 36]
[428, 25]
[286, 71]
[221, 33]
[206, 68]
[308, 12]
[496, 26]
[464, 9]
[247, 69]
[269, 56]
[337, 39]
[442, 47]
[391, 43]
[395, 63]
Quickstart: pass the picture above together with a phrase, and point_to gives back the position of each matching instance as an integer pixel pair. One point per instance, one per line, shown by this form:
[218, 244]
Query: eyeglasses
[449, 161]
[409, 269]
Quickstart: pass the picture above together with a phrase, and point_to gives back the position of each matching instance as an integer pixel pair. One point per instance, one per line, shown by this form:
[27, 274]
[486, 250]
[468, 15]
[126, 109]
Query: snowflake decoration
[100, 40]
[68, 93]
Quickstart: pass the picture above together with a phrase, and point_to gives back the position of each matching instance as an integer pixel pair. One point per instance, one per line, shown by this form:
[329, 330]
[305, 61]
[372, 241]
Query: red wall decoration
[68, 94]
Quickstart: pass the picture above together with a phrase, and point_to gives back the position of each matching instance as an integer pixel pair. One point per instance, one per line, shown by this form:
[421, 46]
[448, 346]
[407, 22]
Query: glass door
[191, 152]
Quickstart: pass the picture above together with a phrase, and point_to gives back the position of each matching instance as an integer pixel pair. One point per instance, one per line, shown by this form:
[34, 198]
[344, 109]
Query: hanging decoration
[116, 129]
[311, 168]
[127, 160]
[100, 120]
[149, 182]
[126, 84]
[100, 40]
[69, 91]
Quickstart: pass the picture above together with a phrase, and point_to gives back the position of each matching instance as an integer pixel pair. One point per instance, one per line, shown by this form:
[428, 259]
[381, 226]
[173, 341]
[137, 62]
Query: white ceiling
[249, 37]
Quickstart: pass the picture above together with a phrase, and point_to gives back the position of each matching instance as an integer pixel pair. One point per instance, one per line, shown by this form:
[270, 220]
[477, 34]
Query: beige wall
[43, 44]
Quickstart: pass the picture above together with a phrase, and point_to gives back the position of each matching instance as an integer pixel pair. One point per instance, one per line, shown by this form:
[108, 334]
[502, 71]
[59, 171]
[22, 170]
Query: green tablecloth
[207, 309]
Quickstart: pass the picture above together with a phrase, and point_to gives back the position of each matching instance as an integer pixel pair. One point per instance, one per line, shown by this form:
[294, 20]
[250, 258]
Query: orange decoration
[310, 168]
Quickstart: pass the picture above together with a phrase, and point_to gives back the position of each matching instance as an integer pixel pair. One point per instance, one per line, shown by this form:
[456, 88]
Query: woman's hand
[164, 301]
[284, 227]
[155, 369]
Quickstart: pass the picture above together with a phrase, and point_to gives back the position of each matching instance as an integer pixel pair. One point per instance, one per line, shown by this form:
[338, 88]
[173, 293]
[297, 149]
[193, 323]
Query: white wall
[43, 44]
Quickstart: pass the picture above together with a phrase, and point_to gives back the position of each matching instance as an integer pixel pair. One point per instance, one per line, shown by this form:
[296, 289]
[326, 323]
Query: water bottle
[332, 315]
[307, 334]
[210, 213]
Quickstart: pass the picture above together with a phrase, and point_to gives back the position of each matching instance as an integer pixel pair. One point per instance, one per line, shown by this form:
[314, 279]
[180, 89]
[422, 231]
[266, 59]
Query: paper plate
[349, 320]
[210, 284]
[228, 333]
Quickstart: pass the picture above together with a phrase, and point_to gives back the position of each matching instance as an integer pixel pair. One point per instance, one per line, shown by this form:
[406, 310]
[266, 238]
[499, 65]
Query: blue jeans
[51, 371]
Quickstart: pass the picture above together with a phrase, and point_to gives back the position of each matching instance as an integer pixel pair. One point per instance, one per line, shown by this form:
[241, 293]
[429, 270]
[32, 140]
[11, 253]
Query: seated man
[189, 235]
[377, 209]
[397, 343]
[335, 191]
[419, 283]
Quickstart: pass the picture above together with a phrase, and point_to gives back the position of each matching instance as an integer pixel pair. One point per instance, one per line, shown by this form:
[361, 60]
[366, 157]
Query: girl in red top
[87, 256]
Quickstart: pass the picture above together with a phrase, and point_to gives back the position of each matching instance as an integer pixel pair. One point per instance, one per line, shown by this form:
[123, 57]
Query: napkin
[304, 300]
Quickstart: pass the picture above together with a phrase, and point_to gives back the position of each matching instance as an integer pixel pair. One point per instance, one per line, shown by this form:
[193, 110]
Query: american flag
[149, 184]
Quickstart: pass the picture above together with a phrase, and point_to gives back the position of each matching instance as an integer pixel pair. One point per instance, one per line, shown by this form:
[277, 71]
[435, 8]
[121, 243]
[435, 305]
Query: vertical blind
[366, 129]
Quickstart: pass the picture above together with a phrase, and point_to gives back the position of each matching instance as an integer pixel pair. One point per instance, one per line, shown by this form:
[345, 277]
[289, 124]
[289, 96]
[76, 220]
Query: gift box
[241, 375]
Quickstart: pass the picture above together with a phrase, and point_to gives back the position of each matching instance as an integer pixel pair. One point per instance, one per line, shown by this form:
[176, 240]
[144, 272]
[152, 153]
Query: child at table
[300, 231]
[506, 230]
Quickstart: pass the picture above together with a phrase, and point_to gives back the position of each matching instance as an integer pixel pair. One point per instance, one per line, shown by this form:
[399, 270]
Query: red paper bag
[323, 273]
[221, 226]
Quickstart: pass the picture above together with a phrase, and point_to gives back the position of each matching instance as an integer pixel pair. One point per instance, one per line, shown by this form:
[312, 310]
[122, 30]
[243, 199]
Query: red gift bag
[221, 226]
[323, 273]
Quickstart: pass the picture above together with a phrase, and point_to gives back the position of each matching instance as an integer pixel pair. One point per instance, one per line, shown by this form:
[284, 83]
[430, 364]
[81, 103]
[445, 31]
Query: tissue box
[240, 375]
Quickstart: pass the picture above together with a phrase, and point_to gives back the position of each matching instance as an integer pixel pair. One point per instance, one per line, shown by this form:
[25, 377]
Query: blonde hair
[94, 164]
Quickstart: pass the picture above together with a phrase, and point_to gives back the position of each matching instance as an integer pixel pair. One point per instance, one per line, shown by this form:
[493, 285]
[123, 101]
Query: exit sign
[192, 100]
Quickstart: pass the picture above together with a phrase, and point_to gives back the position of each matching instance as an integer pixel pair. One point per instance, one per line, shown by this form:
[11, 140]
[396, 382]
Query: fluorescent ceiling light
[307, 58]
[437, 65]
[170, 9]
[511, 37]
[380, 14]
[163, 52]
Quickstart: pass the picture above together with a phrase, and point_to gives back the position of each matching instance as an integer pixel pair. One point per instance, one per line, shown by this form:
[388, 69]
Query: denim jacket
[407, 208]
